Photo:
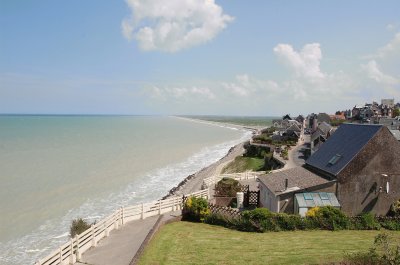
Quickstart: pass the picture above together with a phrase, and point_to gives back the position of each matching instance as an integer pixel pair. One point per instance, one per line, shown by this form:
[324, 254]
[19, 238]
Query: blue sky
[197, 57]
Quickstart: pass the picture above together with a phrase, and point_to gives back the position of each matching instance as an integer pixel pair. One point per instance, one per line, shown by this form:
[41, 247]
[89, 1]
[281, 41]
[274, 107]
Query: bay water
[54, 169]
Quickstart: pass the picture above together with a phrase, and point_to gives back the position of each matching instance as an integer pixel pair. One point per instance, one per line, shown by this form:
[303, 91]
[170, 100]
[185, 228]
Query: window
[307, 196]
[334, 159]
[324, 196]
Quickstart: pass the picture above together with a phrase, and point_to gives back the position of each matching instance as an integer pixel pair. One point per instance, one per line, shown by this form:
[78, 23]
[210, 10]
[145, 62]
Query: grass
[195, 243]
[242, 164]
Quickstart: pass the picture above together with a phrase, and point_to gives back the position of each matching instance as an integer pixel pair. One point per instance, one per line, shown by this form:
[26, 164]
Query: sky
[197, 57]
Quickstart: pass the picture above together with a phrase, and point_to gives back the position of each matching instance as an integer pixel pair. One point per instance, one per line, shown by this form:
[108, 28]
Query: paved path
[121, 246]
[296, 155]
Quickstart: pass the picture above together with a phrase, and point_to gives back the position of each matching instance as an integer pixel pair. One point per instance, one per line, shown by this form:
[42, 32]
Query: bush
[195, 209]
[368, 222]
[395, 209]
[255, 150]
[390, 224]
[78, 226]
[227, 187]
[259, 220]
[289, 222]
[312, 212]
[330, 218]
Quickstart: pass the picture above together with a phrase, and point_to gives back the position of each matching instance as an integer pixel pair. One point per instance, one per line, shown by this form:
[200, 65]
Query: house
[388, 102]
[338, 117]
[385, 111]
[360, 164]
[287, 117]
[365, 161]
[396, 134]
[391, 123]
[321, 134]
[300, 119]
[277, 190]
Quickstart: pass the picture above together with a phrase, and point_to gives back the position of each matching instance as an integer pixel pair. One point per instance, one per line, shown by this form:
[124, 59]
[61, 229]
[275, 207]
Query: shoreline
[194, 181]
[223, 124]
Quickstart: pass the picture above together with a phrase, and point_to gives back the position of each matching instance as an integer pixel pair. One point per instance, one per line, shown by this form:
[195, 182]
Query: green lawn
[242, 164]
[194, 243]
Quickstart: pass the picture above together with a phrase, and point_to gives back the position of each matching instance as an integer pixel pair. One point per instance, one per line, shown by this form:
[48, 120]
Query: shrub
[331, 218]
[195, 209]
[368, 222]
[395, 209]
[312, 212]
[78, 226]
[390, 224]
[257, 214]
[289, 222]
[227, 187]
[259, 220]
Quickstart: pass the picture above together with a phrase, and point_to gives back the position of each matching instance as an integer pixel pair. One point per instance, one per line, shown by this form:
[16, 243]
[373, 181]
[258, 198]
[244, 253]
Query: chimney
[286, 184]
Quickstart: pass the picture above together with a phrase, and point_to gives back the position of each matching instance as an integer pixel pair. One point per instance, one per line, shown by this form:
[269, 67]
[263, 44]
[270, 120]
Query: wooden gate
[251, 198]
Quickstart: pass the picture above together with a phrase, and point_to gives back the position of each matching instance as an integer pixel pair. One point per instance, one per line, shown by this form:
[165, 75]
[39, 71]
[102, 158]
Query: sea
[54, 169]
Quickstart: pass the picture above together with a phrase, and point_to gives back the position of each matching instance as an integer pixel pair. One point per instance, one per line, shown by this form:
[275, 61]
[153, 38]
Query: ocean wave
[149, 187]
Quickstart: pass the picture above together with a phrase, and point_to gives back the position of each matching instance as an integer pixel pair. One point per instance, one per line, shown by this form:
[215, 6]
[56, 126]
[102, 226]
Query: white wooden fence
[71, 252]
[208, 182]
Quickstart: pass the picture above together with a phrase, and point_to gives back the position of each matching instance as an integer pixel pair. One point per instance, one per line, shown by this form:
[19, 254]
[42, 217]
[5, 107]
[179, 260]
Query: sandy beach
[194, 182]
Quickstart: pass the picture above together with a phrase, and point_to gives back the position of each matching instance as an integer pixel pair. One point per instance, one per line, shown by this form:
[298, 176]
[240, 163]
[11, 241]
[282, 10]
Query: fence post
[72, 255]
[122, 216]
[159, 207]
[116, 220]
[94, 242]
[142, 217]
[78, 252]
[107, 232]
[60, 250]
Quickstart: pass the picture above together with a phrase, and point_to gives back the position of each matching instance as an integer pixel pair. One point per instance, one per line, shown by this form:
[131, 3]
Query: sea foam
[151, 186]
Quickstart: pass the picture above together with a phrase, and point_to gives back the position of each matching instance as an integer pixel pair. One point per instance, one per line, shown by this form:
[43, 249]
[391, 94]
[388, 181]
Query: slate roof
[299, 178]
[325, 127]
[312, 199]
[294, 127]
[342, 147]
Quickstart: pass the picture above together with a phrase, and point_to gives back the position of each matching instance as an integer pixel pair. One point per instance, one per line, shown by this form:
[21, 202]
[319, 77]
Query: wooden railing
[71, 252]
[208, 182]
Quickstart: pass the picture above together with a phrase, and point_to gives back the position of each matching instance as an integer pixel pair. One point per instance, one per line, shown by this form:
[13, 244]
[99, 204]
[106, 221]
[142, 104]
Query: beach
[194, 182]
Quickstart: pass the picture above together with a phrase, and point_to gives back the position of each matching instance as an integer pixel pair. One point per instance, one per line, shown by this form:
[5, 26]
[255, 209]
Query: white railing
[71, 252]
[208, 182]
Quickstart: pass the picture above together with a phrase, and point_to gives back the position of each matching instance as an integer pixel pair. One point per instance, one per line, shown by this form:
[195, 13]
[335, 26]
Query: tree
[396, 112]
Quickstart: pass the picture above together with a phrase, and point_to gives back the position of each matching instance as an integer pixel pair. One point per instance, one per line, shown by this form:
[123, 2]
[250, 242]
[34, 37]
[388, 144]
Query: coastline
[194, 181]
[223, 124]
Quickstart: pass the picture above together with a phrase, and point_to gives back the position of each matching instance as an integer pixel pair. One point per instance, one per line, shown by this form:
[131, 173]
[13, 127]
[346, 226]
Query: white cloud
[389, 50]
[305, 63]
[373, 71]
[173, 25]
[183, 93]
[244, 86]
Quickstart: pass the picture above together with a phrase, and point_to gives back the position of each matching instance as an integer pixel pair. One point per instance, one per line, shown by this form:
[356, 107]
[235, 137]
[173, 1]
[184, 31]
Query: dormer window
[334, 159]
